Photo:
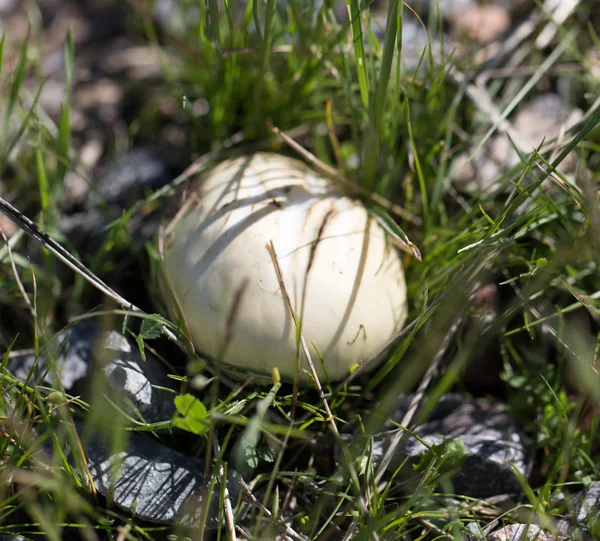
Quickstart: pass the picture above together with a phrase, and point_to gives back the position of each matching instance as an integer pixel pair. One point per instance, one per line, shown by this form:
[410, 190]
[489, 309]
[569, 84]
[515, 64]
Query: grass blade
[64, 123]
[17, 82]
[359, 51]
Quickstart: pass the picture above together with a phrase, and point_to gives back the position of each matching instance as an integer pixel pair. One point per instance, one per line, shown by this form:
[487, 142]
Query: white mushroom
[345, 280]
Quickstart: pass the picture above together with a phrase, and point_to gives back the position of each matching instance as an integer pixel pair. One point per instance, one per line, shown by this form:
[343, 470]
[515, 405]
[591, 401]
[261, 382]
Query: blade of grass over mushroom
[354, 187]
[399, 237]
[396, 356]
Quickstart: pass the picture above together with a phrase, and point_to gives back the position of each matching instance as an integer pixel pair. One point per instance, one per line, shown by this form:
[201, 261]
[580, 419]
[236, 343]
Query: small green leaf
[450, 455]
[254, 454]
[150, 329]
[194, 415]
[189, 406]
[393, 229]
[191, 425]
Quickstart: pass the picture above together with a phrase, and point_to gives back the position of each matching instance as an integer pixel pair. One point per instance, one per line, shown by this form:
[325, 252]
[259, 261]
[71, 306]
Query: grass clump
[233, 73]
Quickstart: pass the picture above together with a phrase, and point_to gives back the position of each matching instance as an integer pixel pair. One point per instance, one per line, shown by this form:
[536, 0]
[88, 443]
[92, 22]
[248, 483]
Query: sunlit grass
[346, 99]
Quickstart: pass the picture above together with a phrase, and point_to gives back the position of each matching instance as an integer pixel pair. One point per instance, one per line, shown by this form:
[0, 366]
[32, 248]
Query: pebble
[522, 532]
[126, 179]
[584, 516]
[155, 483]
[75, 346]
[121, 185]
[542, 119]
[490, 438]
[140, 387]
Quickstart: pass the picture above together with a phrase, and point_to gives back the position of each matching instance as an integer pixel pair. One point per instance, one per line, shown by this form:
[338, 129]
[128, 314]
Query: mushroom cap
[345, 280]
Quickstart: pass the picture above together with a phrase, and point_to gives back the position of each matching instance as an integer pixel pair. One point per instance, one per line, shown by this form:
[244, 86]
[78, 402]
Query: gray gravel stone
[155, 483]
[490, 439]
[122, 184]
[522, 532]
[125, 180]
[74, 345]
[542, 119]
[584, 520]
[139, 387]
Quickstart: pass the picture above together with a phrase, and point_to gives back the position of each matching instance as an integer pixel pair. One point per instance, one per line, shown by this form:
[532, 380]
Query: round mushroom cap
[344, 278]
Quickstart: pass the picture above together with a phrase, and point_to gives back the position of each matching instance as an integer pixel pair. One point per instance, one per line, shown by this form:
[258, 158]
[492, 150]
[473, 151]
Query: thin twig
[440, 534]
[493, 54]
[288, 529]
[226, 500]
[61, 253]
[288, 302]
[562, 11]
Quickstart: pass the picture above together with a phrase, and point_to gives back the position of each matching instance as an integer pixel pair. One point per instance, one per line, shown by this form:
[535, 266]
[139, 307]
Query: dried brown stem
[286, 297]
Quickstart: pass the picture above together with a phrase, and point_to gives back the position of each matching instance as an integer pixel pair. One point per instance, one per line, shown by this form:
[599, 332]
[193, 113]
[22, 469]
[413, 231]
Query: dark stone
[139, 387]
[155, 483]
[74, 346]
[522, 532]
[126, 180]
[583, 519]
[123, 183]
[490, 440]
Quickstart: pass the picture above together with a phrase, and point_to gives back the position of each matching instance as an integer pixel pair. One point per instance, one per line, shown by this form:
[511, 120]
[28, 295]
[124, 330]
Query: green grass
[346, 99]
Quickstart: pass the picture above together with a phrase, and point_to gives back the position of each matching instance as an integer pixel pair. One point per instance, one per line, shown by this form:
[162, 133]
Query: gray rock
[11, 537]
[125, 180]
[587, 507]
[7, 6]
[522, 532]
[490, 440]
[583, 519]
[122, 184]
[155, 483]
[74, 347]
[541, 120]
[473, 532]
[137, 385]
